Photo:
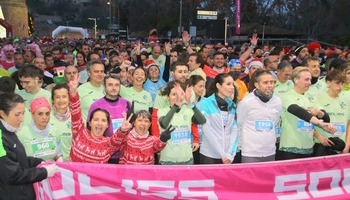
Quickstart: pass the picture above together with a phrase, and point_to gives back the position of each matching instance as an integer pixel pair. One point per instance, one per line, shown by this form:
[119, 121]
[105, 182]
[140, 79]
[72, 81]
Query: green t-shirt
[297, 134]
[40, 146]
[317, 88]
[89, 94]
[142, 100]
[339, 113]
[65, 132]
[282, 88]
[28, 97]
[179, 147]
[345, 95]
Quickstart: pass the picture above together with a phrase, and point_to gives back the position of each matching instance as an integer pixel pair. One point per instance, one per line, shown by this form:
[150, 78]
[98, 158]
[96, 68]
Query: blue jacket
[220, 132]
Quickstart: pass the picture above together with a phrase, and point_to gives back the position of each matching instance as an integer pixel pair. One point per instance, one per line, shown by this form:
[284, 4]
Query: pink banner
[238, 17]
[315, 178]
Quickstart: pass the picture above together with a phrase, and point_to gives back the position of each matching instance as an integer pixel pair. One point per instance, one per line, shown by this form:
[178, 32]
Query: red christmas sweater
[84, 147]
[140, 150]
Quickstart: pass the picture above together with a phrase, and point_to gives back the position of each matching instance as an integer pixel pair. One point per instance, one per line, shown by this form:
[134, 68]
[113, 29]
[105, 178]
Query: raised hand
[130, 111]
[125, 64]
[188, 94]
[195, 147]
[127, 125]
[180, 95]
[138, 48]
[254, 39]
[167, 46]
[73, 84]
[186, 37]
[166, 134]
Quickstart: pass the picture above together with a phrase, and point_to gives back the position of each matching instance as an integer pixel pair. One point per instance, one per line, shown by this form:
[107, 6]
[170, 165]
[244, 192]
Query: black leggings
[284, 155]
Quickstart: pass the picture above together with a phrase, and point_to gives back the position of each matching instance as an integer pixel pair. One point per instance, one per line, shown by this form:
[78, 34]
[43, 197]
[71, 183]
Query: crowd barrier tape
[314, 178]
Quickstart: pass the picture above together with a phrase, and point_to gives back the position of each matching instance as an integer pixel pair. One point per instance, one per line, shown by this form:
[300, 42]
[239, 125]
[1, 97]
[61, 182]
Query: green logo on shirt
[2, 150]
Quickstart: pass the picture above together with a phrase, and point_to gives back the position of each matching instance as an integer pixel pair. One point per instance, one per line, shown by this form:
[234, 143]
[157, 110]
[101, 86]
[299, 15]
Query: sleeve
[165, 120]
[76, 115]
[139, 60]
[154, 124]
[33, 162]
[158, 145]
[195, 133]
[198, 117]
[166, 72]
[325, 117]
[299, 112]
[12, 173]
[117, 139]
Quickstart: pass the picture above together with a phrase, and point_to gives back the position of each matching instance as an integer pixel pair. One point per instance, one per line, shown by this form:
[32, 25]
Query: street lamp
[95, 25]
[109, 3]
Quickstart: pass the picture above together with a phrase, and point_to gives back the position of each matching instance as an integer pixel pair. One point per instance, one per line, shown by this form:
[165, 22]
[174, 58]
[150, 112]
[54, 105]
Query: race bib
[116, 123]
[263, 125]
[340, 128]
[43, 147]
[304, 126]
[180, 136]
[224, 116]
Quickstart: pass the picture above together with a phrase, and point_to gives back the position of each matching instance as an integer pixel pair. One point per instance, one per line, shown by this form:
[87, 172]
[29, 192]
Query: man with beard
[258, 116]
[301, 53]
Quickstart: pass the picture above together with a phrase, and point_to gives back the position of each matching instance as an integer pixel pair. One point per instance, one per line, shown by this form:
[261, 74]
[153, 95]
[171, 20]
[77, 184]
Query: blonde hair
[297, 71]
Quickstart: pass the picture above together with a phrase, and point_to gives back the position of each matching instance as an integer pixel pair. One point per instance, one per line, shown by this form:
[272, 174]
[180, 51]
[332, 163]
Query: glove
[166, 134]
[130, 111]
[51, 169]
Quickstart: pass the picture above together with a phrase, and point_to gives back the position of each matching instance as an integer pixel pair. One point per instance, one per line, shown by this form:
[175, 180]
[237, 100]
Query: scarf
[223, 105]
[60, 116]
[43, 132]
[262, 97]
[9, 127]
[133, 132]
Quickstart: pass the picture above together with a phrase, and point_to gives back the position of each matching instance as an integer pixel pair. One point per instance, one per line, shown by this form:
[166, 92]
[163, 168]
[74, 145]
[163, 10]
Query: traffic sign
[211, 17]
[206, 12]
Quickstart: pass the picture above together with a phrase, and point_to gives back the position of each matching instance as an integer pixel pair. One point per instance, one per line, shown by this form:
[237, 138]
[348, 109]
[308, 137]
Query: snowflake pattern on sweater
[84, 147]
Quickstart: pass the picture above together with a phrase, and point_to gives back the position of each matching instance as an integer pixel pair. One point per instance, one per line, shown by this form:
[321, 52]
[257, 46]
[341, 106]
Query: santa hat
[149, 63]
[313, 46]
[254, 63]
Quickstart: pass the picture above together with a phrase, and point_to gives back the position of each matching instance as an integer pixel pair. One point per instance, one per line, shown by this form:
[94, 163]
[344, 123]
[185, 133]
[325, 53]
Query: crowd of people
[172, 103]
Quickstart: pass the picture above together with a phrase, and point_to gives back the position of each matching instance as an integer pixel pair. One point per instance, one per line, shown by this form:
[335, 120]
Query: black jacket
[17, 171]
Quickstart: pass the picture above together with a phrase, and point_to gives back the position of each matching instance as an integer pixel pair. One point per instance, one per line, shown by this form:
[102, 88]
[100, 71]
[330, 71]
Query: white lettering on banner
[346, 181]
[166, 194]
[280, 186]
[67, 190]
[335, 175]
[283, 183]
[169, 189]
[185, 187]
[128, 184]
[86, 188]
